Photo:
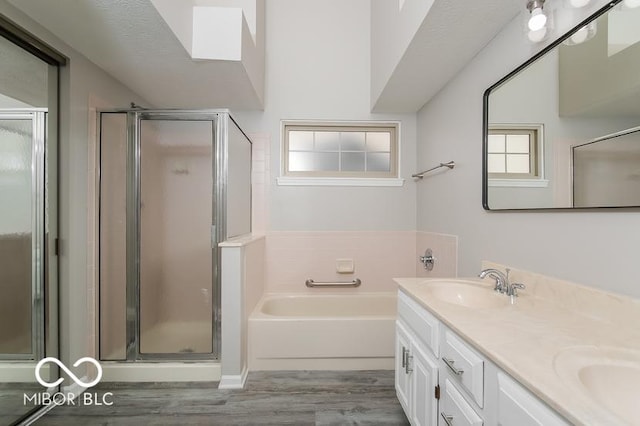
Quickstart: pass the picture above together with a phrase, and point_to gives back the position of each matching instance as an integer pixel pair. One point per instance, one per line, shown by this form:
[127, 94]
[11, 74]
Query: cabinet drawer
[516, 406]
[424, 325]
[454, 410]
[465, 367]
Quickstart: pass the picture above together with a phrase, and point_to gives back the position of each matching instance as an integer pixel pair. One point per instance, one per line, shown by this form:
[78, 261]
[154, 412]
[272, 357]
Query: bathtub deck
[270, 398]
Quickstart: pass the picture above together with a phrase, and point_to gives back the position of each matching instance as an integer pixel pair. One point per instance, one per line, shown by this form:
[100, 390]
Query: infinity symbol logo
[69, 372]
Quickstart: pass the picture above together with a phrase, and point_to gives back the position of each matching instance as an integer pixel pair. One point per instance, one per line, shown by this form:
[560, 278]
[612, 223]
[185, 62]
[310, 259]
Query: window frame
[337, 177]
[536, 177]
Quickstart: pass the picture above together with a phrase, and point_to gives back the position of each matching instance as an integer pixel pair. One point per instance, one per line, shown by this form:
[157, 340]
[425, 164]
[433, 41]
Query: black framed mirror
[562, 131]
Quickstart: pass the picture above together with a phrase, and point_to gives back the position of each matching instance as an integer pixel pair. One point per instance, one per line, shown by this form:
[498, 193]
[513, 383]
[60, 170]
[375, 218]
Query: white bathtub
[323, 332]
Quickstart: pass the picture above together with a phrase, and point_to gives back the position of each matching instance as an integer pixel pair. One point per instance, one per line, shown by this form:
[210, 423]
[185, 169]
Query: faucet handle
[515, 287]
[507, 270]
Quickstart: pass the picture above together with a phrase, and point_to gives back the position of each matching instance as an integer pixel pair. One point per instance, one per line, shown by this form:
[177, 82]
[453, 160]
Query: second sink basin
[468, 293]
[609, 377]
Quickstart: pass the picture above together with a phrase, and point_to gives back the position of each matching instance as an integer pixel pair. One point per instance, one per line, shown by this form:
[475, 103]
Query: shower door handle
[214, 238]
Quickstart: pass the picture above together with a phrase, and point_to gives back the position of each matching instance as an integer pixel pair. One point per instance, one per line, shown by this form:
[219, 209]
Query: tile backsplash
[378, 257]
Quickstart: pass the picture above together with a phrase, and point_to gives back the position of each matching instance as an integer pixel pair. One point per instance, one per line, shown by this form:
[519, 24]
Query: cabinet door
[424, 372]
[403, 346]
[516, 406]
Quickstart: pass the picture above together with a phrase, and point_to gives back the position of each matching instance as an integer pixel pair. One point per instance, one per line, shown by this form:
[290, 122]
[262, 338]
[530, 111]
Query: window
[335, 153]
[513, 153]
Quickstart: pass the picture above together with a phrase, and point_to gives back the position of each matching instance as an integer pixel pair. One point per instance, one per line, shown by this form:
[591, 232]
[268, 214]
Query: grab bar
[354, 283]
[450, 164]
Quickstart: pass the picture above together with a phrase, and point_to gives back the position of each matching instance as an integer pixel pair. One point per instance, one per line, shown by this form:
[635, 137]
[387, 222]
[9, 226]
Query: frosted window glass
[300, 140]
[378, 162]
[518, 144]
[16, 236]
[496, 143]
[352, 141]
[176, 290]
[496, 163]
[518, 163]
[301, 161]
[113, 236]
[378, 141]
[327, 141]
[326, 161]
[352, 161]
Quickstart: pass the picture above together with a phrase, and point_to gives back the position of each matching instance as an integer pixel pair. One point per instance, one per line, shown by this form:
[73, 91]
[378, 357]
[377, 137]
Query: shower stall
[173, 184]
[22, 234]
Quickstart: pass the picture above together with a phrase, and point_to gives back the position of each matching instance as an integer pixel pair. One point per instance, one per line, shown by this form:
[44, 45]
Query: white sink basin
[609, 377]
[468, 293]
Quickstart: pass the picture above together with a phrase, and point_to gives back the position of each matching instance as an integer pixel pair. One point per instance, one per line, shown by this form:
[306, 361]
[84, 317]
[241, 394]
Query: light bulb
[579, 3]
[538, 19]
[580, 36]
[537, 36]
[631, 4]
[583, 34]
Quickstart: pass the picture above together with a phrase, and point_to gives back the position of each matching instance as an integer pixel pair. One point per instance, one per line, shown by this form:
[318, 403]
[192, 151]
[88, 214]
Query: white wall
[594, 248]
[394, 29]
[318, 67]
[80, 80]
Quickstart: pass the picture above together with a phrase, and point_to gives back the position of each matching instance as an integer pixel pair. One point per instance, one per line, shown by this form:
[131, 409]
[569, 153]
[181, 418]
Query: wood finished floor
[12, 405]
[269, 398]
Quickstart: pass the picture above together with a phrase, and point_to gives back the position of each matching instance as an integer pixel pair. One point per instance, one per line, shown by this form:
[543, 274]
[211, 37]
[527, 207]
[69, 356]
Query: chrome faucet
[502, 280]
[503, 284]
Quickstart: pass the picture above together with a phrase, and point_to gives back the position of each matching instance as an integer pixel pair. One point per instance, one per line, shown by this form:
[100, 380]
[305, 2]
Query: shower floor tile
[269, 398]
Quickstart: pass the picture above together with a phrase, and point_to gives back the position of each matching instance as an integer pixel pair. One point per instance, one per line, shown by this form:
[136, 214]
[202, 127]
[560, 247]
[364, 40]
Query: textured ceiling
[453, 32]
[130, 41]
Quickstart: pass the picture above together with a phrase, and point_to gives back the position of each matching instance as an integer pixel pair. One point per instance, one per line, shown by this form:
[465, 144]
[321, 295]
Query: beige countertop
[525, 338]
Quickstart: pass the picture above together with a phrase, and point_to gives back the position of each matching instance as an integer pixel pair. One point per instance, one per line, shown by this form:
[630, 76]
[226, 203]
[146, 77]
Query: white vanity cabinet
[517, 406]
[416, 367]
[454, 409]
[442, 381]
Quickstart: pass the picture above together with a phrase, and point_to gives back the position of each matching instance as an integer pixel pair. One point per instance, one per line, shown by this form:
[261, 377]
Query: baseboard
[327, 364]
[74, 390]
[160, 372]
[237, 381]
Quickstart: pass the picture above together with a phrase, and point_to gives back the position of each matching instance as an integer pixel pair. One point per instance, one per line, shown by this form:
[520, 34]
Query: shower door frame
[38, 118]
[133, 220]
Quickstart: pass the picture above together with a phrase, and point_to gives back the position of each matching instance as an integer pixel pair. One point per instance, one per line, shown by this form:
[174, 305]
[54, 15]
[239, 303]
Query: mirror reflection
[562, 132]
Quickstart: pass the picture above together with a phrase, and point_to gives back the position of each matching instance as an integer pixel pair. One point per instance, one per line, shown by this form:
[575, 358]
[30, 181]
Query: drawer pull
[447, 419]
[453, 369]
[405, 351]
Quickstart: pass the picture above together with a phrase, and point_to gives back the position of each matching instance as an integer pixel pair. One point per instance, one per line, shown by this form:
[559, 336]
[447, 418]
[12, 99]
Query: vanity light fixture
[579, 3]
[583, 34]
[538, 18]
[537, 36]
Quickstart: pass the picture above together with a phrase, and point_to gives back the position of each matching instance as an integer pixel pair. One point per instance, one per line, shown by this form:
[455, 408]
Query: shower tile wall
[260, 178]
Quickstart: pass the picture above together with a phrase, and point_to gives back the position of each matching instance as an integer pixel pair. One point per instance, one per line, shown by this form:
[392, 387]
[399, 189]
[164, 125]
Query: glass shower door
[159, 286]
[175, 222]
[21, 202]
